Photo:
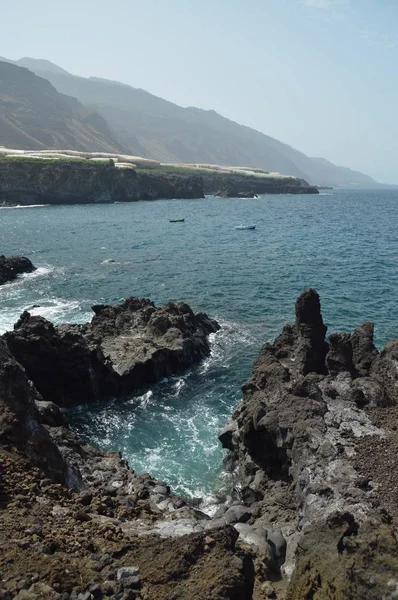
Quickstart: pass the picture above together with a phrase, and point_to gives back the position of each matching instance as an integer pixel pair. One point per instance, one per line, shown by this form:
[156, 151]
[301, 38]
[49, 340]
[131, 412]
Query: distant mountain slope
[152, 127]
[33, 115]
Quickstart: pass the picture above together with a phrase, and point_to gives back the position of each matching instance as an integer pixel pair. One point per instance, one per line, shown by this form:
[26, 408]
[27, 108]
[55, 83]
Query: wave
[40, 272]
[231, 334]
[23, 206]
[54, 309]
[23, 277]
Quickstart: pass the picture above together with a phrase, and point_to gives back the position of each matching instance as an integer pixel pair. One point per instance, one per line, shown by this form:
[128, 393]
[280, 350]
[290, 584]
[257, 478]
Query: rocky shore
[28, 180]
[123, 348]
[304, 443]
[36, 181]
[12, 266]
[312, 450]
[236, 185]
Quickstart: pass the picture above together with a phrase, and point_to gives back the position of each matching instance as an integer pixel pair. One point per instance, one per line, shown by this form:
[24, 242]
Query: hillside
[152, 127]
[33, 115]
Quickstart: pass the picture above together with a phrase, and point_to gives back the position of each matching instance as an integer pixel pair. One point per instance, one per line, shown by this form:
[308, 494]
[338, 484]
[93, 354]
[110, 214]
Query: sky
[320, 75]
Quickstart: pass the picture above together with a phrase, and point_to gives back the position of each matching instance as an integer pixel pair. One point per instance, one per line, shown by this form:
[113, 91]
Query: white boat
[245, 227]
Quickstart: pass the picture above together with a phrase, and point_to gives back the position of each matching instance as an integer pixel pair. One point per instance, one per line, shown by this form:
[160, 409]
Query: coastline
[281, 532]
[29, 180]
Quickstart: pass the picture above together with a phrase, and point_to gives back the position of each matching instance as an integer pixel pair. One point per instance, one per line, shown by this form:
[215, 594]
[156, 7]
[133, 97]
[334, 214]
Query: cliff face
[235, 185]
[39, 182]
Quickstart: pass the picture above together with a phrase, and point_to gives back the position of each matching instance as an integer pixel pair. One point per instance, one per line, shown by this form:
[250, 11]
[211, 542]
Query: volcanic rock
[12, 266]
[124, 347]
[292, 442]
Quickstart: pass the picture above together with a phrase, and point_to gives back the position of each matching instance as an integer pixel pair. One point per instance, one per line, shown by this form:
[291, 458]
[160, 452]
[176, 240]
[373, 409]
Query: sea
[344, 243]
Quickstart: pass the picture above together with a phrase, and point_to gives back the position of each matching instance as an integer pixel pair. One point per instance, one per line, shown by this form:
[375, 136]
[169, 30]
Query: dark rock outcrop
[236, 185]
[62, 182]
[123, 348]
[293, 442]
[20, 422]
[12, 266]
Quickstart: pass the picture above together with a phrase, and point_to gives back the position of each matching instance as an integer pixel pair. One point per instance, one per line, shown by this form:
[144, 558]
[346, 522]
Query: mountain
[33, 115]
[155, 128]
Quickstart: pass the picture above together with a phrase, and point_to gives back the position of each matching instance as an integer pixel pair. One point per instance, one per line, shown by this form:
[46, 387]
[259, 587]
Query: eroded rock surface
[294, 443]
[123, 348]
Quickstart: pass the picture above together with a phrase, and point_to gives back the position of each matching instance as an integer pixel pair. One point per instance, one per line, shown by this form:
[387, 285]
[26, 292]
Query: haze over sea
[343, 243]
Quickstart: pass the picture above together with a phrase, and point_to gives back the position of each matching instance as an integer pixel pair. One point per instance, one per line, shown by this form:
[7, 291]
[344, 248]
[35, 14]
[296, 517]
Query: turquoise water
[343, 243]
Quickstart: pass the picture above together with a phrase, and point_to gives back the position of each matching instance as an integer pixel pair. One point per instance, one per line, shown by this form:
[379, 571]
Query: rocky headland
[35, 181]
[312, 450]
[236, 185]
[12, 266]
[71, 177]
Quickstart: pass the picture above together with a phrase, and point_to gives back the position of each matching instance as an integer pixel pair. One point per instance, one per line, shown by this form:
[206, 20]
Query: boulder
[12, 266]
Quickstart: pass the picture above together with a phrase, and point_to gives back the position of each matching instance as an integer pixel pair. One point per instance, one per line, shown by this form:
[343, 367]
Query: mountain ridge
[156, 128]
[34, 115]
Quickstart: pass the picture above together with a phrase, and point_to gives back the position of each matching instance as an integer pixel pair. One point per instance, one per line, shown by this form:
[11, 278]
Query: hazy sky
[320, 75]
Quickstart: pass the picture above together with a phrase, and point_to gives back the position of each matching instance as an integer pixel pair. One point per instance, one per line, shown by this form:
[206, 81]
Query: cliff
[236, 185]
[35, 181]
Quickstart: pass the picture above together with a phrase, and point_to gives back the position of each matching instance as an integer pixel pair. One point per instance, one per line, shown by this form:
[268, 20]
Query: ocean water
[343, 243]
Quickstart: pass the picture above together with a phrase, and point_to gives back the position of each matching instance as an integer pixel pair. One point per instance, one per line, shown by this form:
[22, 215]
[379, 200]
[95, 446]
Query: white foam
[23, 206]
[230, 334]
[54, 309]
[143, 400]
[40, 272]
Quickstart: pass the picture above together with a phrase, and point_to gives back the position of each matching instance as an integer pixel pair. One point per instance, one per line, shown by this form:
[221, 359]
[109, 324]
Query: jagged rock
[364, 352]
[12, 266]
[339, 358]
[50, 414]
[124, 347]
[19, 420]
[59, 361]
[311, 348]
[293, 439]
[385, 370]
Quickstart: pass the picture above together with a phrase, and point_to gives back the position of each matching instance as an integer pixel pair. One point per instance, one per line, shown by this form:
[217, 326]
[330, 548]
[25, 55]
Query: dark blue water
[343, 243]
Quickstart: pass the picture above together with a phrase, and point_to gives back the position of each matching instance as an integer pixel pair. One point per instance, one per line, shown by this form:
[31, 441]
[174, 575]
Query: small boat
[176, 220]
[245, 227]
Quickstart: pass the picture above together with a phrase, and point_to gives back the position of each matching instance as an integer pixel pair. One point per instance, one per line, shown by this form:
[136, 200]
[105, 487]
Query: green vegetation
[33, 159]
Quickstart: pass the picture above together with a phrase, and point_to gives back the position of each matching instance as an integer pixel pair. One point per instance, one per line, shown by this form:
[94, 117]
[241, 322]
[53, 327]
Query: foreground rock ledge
[76, 523]
[306, 441]
[12, 266]
[124, 347]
